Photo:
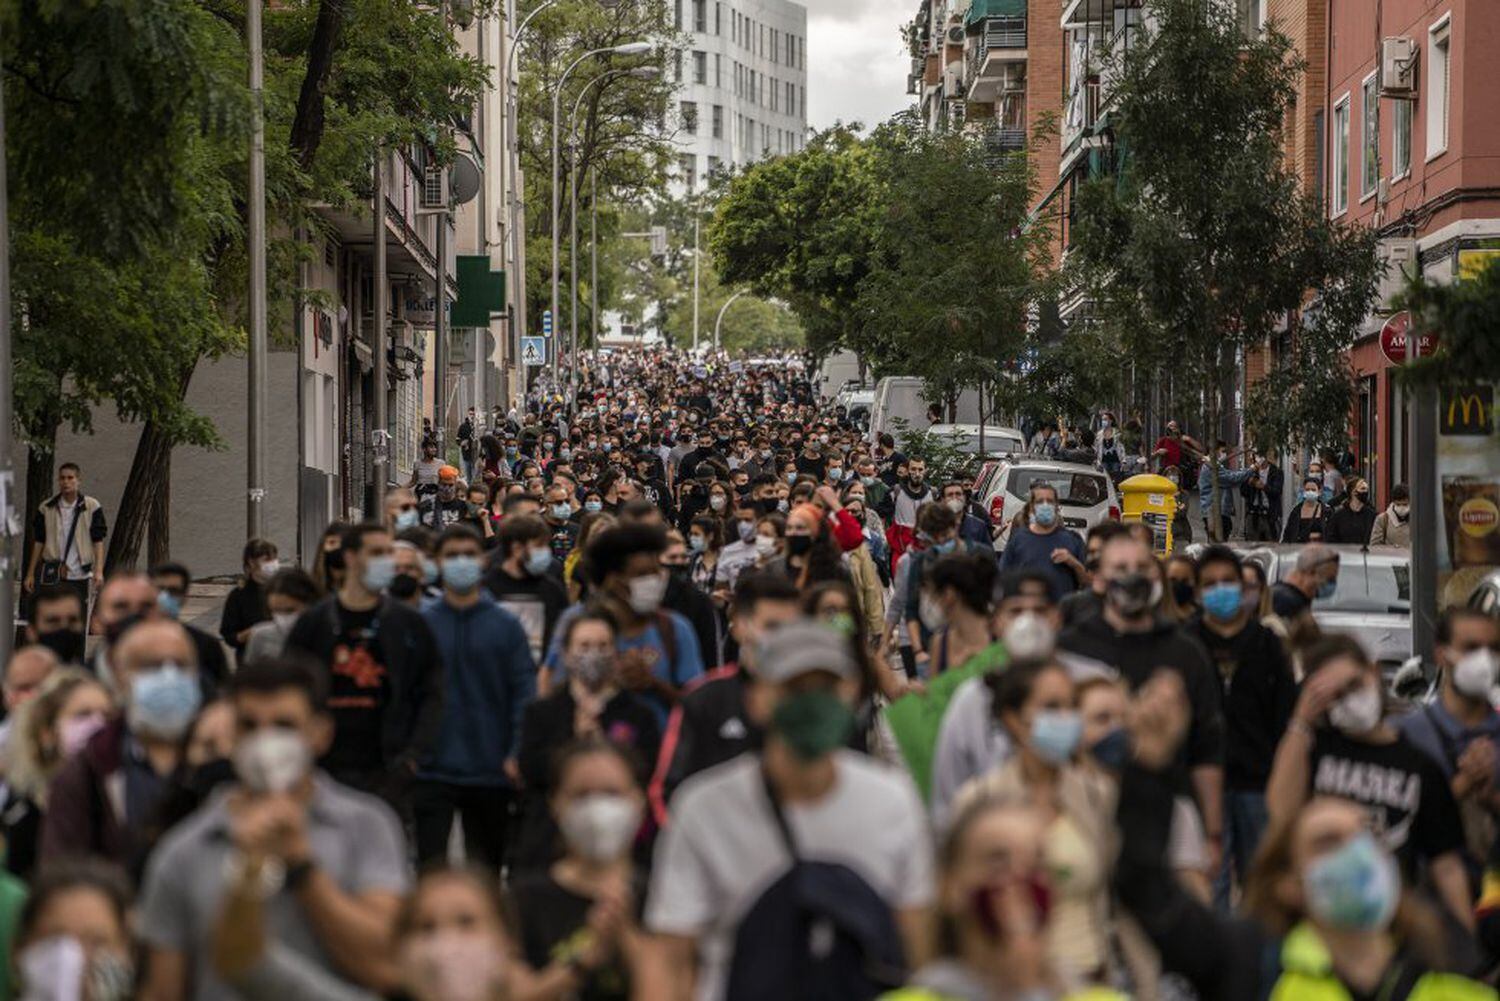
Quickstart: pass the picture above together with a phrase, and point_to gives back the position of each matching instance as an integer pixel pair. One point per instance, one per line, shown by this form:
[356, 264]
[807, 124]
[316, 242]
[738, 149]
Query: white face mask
[453, 965]
[764, 545]
[931, 612]
[284, 620]
[1358, 712]
[272, 760]
[646, 593]
[1474, 673]
[601, 826]
[1029, 637]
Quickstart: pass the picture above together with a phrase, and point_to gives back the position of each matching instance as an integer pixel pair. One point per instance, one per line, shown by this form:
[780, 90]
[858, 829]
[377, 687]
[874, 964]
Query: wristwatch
[298, 873]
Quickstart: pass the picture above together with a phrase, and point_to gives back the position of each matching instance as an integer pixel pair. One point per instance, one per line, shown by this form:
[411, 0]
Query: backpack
[819, 931]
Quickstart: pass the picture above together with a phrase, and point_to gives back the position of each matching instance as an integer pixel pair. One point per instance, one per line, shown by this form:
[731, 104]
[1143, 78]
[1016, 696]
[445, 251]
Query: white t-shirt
[722, 849]
[72, 563]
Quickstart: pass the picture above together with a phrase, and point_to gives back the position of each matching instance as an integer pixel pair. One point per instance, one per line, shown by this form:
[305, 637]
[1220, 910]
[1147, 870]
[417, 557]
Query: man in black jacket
[1131, 639]
[709, 725]
[384, 673]
[1259, 695]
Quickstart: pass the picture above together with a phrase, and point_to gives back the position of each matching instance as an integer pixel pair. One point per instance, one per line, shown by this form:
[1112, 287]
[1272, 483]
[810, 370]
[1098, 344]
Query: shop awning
[981, 9]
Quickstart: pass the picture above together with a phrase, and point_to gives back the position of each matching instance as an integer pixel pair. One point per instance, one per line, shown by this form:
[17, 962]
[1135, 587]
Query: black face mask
[115, 630]
[66, 643]
[333, 559]
[1131, 595]
[798, 545]
[403, 587]
[1183, 593]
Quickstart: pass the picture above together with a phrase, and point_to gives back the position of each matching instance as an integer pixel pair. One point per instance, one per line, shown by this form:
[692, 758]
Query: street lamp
[627, 49]
[722, 310]
[639, 73]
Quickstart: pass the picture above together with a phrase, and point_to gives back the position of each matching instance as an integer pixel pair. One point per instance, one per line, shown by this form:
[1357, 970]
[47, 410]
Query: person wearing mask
[1177, 451]
[1328, 916]
[72, 938]
[1392, 526]
[69, 707]
[415, 571]
[1034, 702]
[401, 511]
[328, 565]
[172, 582]
[246, 604]
[738, 831]
[588, 700]
[318, 869]
[57, 623]
[1460, 729]
[1307, 520]
[1042, 543]
[557, 512]
[520, 577]
[1109, 449]
[1259, 693]
[1230, 480]
[424, 474]
[381, 668]
[812, 553]
[711, 723]
[490, 678]
[1132, 639]
[1314, 575]
[1262, 493]
[69, 532]
[579, 913]
[1354, 520]
[740, 553]
[1338, 741]
[1087, 602]
[903, 503]
[288, 594]
[28, 670]
[103, 800]
[446, 504]
[686, 598]
[705, 540]
[971, 530]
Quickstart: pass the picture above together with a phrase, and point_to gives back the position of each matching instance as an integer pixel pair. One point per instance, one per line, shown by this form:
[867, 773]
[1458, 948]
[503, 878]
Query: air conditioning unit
[956, 34]
[434, 188]
[1398, 67]
[953, 81]
[1398, 259]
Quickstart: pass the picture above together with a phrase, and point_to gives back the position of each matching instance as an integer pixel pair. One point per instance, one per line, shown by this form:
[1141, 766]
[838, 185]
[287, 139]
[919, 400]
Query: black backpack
[819, 931]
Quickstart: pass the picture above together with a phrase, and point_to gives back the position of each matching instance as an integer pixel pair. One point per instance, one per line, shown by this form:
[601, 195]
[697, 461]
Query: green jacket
[1307, 975]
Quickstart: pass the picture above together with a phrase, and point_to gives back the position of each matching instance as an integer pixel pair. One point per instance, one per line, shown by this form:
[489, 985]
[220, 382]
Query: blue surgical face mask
[1222, 601]
[163, 702]
[407, 518]
[747, 531]
[429, 572]
[168, 604]
[1326, 589]
[379, 572]
[1045, 514]
[1112, 750]
[462, 573]
[1055, 734]
[561, 512]
[537, 561]
[1327, 494]
[944, 548]
[1310, 495]
[697, 543]
[1355, 888]
[791, 477]
[593, 506]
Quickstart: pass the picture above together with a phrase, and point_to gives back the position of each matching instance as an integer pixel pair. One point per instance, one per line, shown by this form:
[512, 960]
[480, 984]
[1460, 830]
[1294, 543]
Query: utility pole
[440, 331]
[1426, 512]
[255, 438]
[594, 262]
[696, 228]
[380, 438]
[10, 519]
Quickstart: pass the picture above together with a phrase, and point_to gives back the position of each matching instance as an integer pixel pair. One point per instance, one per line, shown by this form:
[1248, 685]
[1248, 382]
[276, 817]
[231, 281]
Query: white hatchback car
[1086, 495]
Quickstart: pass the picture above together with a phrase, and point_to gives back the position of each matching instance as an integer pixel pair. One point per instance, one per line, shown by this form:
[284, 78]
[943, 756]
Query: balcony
[996, 58]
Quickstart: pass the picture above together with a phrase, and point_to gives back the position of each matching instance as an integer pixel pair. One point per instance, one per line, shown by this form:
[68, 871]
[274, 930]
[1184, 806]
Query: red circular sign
[1393, 339]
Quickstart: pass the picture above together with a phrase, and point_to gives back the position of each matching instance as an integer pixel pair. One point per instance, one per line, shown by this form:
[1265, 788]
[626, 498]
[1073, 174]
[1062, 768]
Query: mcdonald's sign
[1467, 411]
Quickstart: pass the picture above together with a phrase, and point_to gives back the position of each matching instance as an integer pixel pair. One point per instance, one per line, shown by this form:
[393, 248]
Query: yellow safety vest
[1307, 975]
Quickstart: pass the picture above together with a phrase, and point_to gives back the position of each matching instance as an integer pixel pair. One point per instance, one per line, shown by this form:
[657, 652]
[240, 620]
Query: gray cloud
[856, 66]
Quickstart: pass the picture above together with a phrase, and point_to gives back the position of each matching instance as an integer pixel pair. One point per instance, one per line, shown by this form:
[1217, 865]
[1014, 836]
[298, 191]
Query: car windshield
[1369, 586]
[994, 442]
[1073, 489]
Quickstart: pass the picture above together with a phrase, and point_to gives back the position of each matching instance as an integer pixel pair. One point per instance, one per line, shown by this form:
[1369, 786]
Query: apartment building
[742, 84]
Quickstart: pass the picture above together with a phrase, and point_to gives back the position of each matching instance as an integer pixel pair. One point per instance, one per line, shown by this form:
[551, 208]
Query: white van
[899, 397]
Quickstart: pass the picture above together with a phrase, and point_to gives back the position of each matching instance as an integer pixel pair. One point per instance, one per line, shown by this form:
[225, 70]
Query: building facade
[742, 76]
[1412, 133]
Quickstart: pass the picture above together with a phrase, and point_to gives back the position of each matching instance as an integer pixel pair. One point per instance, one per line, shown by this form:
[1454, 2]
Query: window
[687, 164]
[677, 15]
[1340, 183]
[1369, 138]
[1252, 17]
[1320, 155]
[690, 117]
[677, 59]
[775, 91]
[734, 26]
[1437, 87]
[718, 18]
[700, 16]
[718, 121]
[1401, 138]
[718, 70]
[713, 166]
[700, 67]
[791, 98]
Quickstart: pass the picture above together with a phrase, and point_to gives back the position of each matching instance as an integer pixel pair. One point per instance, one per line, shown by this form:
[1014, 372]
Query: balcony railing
[1005, 32]
[993, 46]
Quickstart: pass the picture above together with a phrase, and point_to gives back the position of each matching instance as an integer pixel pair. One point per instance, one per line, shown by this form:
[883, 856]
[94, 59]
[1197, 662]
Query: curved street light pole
[722, 310]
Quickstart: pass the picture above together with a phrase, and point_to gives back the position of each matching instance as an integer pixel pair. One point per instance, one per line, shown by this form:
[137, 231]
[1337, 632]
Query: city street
[918, 500]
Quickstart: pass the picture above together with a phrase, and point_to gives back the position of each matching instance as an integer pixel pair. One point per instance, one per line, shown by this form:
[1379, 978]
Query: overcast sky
[855, 64]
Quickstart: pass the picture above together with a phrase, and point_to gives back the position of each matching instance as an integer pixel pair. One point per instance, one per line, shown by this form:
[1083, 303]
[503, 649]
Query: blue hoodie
[490, 679]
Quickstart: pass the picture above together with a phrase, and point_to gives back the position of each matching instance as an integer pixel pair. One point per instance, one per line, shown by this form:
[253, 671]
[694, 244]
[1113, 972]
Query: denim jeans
[1245, 820]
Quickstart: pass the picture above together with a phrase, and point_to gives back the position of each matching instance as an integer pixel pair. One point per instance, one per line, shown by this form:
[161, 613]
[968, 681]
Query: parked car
[1086, 496]
[997, 441]
[1372, 602]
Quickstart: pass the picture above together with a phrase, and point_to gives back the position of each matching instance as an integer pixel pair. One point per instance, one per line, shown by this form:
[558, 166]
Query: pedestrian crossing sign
[534, 351]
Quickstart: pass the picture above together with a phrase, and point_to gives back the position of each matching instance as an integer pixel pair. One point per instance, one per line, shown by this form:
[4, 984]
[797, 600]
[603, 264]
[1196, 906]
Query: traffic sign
[546, 323]
[534, 351]
[1393, 339]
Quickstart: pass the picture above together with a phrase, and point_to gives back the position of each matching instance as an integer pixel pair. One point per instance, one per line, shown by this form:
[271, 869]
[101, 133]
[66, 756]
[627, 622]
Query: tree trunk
[159, 525]
[147, 478]
[307, 127]
[39, 486]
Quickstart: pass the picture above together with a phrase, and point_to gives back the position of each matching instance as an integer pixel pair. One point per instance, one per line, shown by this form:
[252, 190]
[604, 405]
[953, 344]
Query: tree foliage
[1466, 317]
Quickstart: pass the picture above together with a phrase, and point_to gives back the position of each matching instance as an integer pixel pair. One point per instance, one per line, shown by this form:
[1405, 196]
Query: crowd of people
[684, 687]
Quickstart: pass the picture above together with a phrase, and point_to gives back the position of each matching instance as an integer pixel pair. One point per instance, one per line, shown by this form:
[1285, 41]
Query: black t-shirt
[1288, 601]
[440, 514]
[536, 601]
[564, 537]
[1412, 807]
[811, 465]
[551, 916]
[359, 690]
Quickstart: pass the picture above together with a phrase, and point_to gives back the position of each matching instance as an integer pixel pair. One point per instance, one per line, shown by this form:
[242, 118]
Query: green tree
[1465, 316]
[1201, 242]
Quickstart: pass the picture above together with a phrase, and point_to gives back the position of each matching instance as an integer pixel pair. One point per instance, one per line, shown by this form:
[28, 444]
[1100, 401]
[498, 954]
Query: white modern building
[743, 84]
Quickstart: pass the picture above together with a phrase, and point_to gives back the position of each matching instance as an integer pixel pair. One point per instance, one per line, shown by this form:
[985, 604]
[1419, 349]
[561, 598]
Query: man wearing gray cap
[728, 843]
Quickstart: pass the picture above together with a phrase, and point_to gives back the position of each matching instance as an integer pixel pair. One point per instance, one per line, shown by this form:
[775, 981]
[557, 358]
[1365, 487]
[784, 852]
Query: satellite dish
[464, 179]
